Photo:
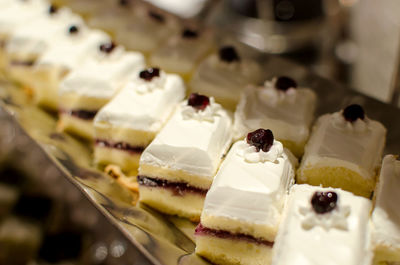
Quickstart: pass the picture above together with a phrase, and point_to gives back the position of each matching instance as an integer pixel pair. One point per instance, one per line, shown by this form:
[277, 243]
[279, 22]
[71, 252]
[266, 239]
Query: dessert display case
[127, 232]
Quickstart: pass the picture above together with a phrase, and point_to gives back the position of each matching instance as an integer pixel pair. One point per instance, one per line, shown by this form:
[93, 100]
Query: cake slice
[386, 214]
[131, 120]
[323, 226]
[88, 88]
[344, 151]
[242, 210]
[279, 105]
[183, 52]
[68, 51]
[224, 76]
[177, 168]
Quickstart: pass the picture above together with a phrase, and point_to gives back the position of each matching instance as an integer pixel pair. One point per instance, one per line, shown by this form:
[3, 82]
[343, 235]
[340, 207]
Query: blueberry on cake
[88, 88]
[323, 226]
[386, 213]
[177, 168]
[182, 52]
[130, 121]
[344, 151]
[243, 207]
[224, 76]
[281, 106]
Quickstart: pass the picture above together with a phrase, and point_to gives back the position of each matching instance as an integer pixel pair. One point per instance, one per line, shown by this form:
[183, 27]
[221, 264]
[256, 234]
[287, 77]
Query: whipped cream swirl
[270, 95]
[142, 86]
[208, 114]
[250, 154]
[358, 126]
[337, 218]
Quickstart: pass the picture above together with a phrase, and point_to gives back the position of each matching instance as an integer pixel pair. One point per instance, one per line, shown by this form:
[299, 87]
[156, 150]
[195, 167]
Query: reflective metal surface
[64, 166]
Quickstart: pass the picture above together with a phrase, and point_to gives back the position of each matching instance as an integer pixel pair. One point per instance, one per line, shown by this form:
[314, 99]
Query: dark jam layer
[119, 145]
[204, 231]
[22, 63]
[82, 114]
[177, 188]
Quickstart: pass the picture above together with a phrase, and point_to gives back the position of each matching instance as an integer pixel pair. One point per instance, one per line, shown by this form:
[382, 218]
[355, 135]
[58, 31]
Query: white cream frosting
[253, 193]
[191, 146]
[102, 75]
[143, 86]
[298, 245]
[288, 114]
[334, 146]
[142, 111]
[358, 126]
[208, 114]
[251, 155]
[34, 37]
[386, 214]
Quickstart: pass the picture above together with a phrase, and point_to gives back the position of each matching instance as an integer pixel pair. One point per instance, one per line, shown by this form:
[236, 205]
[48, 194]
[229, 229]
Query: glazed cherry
[156, 16]
[353, 112]
[324, 201]
[228, 54]
[107, 47]
[52, 9]
[261, 139]
[73, 29]
[124, 2]
[149, 74]
[284, 83]
[197, 101]
[189, 34]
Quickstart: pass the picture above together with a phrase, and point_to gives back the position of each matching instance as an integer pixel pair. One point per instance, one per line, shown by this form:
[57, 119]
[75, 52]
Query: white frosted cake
[224, 76]
[323, 226]
[182, 52]
[177, 168]
[89, 87]
[344, 151]
[68, 51]
[386, 214]
[279, 105]
[131, 120]
[243, 207]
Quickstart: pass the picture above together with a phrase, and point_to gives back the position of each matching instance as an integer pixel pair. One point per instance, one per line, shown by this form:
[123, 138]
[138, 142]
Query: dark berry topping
[353, 112]
[228, 54]
[158, 17]
[261, 139]
[197, 101]
[284, 83]
[52, 9]
[73, 29]
[107, 47]
[189, 34]
[149, 74]
[124, 2]
[324, 201]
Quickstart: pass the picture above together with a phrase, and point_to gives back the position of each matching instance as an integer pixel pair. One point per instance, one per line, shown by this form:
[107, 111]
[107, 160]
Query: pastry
[323, 226]
[131, 120]
[243, 207]
[279, 105]
[344, 151]
[89, 87]
[177, 168]
[386, 214]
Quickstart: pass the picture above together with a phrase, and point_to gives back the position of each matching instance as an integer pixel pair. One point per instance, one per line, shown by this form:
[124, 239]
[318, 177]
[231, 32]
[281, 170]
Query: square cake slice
[323, 226]
[243, 207]
[131, 120]
[344, 151]
[224, 76]
[279, 105]
[88, 88]
[177, 168]
[386, 214]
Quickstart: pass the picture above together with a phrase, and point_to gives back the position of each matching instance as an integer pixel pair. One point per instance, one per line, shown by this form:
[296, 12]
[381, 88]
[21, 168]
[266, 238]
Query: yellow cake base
[76, 126]
[386, 255]
[232, 252]
[127, 161]
[337, 177]
[107, 132]
[188, 206]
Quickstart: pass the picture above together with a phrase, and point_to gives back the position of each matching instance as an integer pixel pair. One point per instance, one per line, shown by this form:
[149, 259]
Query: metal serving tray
[151, 237]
